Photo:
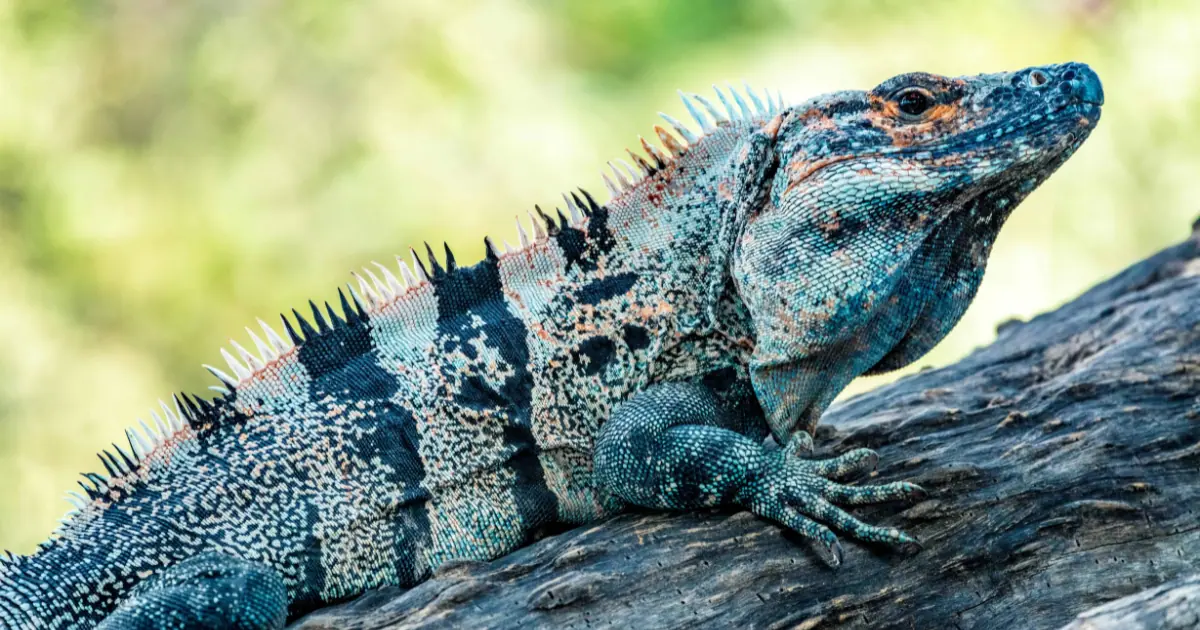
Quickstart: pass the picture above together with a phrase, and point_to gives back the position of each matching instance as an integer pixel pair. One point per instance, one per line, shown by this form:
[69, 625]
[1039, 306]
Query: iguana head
[880, 217]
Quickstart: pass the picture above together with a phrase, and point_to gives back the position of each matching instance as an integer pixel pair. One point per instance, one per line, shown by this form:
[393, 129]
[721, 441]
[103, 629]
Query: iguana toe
[796, 493]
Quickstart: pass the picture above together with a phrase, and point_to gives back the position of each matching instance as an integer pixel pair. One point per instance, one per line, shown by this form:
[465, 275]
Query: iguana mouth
[1087, 111]
[1089, 115]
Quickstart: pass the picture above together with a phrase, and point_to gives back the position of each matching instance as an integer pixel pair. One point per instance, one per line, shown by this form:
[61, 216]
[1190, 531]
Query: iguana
[634, 352]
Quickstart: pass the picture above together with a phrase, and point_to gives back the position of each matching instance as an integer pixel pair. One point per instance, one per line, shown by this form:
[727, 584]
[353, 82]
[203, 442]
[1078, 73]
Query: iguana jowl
[633, 352]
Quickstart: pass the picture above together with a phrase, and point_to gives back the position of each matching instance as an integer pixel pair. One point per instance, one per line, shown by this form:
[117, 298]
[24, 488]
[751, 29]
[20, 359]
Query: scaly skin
[635, 352]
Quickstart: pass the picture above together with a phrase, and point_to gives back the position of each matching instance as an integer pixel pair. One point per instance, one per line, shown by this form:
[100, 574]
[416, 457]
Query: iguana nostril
[1084, 85]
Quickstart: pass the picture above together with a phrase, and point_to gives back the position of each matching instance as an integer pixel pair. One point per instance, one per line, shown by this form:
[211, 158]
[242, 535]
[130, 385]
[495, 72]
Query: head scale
[881, 215]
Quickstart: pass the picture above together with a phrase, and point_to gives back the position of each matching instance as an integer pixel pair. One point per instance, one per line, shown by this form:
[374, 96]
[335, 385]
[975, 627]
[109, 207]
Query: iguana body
[633, 352]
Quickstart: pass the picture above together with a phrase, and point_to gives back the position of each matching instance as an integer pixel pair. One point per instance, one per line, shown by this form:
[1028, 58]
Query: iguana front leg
[211, 590]
[668, 447]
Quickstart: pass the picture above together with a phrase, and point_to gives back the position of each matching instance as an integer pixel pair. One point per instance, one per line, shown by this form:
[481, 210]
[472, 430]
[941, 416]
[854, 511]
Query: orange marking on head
[950, 159]
[886, 117]
[801, 170]
[942, 111]
[885, 108]
[817, 118]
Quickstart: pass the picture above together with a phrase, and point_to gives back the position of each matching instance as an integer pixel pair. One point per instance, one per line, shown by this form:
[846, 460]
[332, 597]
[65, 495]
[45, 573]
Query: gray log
[1171, 606]
[1063, 464]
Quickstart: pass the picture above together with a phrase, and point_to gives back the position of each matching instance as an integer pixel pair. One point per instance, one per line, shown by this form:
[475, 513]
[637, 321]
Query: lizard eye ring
[914, 101]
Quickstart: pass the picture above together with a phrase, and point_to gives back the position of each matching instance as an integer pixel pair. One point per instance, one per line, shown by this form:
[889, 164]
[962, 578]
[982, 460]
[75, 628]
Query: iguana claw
[798, 494]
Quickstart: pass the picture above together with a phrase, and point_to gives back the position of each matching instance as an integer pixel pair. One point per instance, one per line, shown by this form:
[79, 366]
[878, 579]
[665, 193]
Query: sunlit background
[171, 169]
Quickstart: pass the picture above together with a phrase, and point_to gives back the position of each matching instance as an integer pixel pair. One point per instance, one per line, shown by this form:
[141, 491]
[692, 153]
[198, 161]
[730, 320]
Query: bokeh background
[169, 170]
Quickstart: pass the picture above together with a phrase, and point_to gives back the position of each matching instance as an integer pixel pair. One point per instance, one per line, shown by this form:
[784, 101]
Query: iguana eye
[914, 101]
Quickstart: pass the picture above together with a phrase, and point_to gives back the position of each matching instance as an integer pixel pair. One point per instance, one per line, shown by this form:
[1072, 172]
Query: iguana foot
[211, 590]
[798, 493]
[667, 447]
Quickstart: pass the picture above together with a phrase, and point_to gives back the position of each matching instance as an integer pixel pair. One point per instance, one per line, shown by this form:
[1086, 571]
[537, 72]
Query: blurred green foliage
[171, 170]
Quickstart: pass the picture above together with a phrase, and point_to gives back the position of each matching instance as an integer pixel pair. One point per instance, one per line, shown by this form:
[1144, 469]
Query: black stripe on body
[341, 364]
[594, 354]
[583, 250]
[605, 288]
[573, 244]
[382, 441]
[308, 596]
[636, 337]
[467, 297]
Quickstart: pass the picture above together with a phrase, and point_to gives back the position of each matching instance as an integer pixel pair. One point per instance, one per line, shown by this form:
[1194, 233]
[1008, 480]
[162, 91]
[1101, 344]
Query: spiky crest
[122, 464]
[374, 294]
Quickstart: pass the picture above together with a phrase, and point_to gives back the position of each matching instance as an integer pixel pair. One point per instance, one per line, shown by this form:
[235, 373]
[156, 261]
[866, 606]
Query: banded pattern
[735, 282]
[443, 412]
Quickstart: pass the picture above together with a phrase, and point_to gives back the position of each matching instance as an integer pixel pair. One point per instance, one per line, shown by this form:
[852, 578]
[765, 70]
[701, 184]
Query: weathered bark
[1063, 464]
[1171, 606]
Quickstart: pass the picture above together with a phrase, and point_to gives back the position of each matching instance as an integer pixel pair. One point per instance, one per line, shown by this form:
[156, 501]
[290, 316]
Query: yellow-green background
[170, 170]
